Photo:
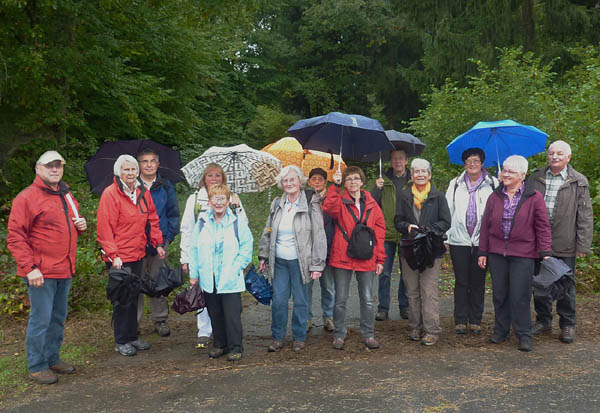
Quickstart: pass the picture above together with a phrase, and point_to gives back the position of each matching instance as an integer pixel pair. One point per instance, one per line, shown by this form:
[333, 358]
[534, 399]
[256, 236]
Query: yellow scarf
[419, 197]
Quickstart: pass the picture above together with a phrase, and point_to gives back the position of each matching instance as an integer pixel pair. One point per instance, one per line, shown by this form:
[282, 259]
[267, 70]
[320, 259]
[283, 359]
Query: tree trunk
[528, 25]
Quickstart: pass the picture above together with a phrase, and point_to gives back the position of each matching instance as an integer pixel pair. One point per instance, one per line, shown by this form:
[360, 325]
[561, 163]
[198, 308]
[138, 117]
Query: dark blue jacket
[167, 207]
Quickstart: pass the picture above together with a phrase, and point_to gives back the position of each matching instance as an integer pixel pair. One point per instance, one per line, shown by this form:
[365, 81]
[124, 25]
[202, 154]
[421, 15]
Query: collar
[564, 173]
[148, 185]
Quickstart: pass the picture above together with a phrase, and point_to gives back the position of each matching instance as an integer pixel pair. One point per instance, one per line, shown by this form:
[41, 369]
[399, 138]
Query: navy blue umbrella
[498, 140]
[352, 136]
[99, 168]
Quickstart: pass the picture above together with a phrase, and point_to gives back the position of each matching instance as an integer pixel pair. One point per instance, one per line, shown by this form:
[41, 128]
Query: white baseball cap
[50, 156]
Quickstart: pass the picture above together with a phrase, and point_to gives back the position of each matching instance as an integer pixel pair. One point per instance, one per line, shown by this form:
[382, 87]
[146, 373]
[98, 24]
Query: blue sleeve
[246, 244]
[172, 212]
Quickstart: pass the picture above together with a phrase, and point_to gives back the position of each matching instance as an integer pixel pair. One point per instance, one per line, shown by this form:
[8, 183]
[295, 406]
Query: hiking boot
[162, 329]
[140, 344]
[540, 328]
[234, 357]
[404, 313]
[371, 343]
[415, 335]
[429, 339]
[497, 338]
[299, 345]
[62, 368]
[525, 344]
[475, 329]
[125, 349]
[43, 377]
[275, 346]
[460, 329]
[338, 343]
[328, 324]
[202, 342]
[215, 353]
[308, 325]
[381, 315]
[567, 334]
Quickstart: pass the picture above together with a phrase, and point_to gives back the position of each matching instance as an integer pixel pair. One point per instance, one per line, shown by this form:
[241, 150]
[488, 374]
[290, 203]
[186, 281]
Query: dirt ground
[460, 373]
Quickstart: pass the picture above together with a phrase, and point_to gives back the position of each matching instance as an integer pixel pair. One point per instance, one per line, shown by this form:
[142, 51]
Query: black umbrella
[99, 168]
[411, 145]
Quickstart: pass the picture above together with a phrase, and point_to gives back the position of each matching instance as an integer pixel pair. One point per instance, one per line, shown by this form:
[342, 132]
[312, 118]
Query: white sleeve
[187, 227]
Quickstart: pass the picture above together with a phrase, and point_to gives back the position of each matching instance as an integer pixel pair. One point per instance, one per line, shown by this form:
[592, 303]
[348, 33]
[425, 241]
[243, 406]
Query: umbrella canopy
[99, 168]
[410, 144]
[289, 151]
[247, 169]
[352, 136]
[498, 140]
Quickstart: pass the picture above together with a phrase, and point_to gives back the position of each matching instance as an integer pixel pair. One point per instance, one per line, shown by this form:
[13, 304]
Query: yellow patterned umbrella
[289, 151]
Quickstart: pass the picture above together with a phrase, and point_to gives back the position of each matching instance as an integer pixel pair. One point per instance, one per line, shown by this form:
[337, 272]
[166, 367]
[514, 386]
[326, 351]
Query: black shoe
[540, 328]
[567, 334]
[498, 339]
[525, 344]
[404, 313]
[381, 315]
[215, 353]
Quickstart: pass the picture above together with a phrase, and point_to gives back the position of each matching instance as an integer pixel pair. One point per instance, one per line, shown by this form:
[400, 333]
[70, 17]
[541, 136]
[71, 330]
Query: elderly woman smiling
[293, 247]
[421, 205]
[514, 232]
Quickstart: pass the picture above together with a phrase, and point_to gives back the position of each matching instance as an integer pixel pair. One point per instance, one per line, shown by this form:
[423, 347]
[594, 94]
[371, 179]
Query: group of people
[505, 225]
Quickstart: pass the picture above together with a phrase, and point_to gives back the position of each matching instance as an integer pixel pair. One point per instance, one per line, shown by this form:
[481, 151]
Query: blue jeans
[46, 326]
[287, 280]
[385, 280]
[365, 281]
[326, 282]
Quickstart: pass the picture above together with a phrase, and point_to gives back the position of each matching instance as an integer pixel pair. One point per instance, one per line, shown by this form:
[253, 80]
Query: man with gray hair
[567, 197]
[43, 227]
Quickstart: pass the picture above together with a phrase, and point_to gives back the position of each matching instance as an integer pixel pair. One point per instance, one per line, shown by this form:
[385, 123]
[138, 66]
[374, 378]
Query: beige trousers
[423, 297]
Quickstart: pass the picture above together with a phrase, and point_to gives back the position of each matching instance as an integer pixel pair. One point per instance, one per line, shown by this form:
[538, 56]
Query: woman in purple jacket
[514, 233]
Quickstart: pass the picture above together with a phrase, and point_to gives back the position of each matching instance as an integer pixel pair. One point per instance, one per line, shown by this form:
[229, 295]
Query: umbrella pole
[341, 145]
[380, 165]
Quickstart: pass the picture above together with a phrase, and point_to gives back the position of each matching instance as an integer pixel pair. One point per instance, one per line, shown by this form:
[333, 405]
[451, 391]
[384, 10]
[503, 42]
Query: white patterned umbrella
[247, 169]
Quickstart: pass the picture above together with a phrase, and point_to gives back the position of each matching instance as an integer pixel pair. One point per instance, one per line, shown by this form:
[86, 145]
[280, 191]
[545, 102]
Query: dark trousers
[385, 279]
[469, 285]
[225, 311]
[125, 321]
[511, 284]
[565, 307]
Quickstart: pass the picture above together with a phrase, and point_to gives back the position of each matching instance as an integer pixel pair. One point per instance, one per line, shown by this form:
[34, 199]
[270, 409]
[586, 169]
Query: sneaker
[125, 349]
[525, 344]
[299, 345]
[567, 334]
[475, 329]
[381, 315]
[275, 346]
[429, 339]
[415, 335]
[62, 368]
[202, 342]
[215, 353]
[404, 313]
[338, 344]
[328, 324]
[371, 343]
[460, 329]
[308, 325]
[234, 357]
[140, 344]
[540, 328]
[43, 377]
[162, 329]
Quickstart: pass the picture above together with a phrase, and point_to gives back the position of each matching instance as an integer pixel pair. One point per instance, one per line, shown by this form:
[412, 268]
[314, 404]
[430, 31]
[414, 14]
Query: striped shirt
[553, 184]
[510, 207]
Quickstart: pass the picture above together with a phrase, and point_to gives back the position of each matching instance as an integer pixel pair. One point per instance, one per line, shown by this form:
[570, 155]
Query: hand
[581, 254]
[80, 223]
[193, 281]
[35, 277]
[262, 266]
[337, 178]
[234, 201]
[412, 227]
[315, 274]
[378, 269]
[482, 261]
[117, 263]
[323, 193]
[546, 257]
[185, 268]
[379, 183]
[161, 253]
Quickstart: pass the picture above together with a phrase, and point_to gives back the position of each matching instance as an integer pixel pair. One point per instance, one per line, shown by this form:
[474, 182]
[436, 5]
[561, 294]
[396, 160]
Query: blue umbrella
[352, 136]
[499, 140]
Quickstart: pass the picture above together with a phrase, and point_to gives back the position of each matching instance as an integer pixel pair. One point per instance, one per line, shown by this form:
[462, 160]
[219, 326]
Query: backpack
[361, 242]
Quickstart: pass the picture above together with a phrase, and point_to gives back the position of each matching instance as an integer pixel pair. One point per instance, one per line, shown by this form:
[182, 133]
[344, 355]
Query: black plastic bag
[190, 299]
[123, 286]
[165, 281]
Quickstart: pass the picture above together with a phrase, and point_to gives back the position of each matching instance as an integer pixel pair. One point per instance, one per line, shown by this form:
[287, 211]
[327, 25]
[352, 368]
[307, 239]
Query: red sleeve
[156, 237]
[19, 228]
[543, 232]
[108, 217]
[333, 202]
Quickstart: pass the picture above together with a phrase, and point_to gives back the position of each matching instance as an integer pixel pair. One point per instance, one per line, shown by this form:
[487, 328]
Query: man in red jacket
[42, 236]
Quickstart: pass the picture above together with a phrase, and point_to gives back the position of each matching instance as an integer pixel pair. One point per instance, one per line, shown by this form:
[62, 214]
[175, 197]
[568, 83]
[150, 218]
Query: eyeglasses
[218, 199]
[149, 162]
[472, 162]
[354, 179]
[509, 172]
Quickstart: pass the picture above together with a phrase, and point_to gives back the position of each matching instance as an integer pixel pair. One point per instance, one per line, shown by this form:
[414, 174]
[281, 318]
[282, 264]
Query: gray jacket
[573, 218]
[311, 242]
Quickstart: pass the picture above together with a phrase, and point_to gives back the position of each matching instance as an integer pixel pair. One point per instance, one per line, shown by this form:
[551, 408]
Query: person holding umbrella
[125, 211]
[514, 233]
[467, 195]
[196, 204]
[355, 209]
[422, 207]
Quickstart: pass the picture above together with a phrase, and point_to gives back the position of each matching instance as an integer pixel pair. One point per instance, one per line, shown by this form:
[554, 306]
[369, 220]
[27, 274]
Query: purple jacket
[530, 235]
